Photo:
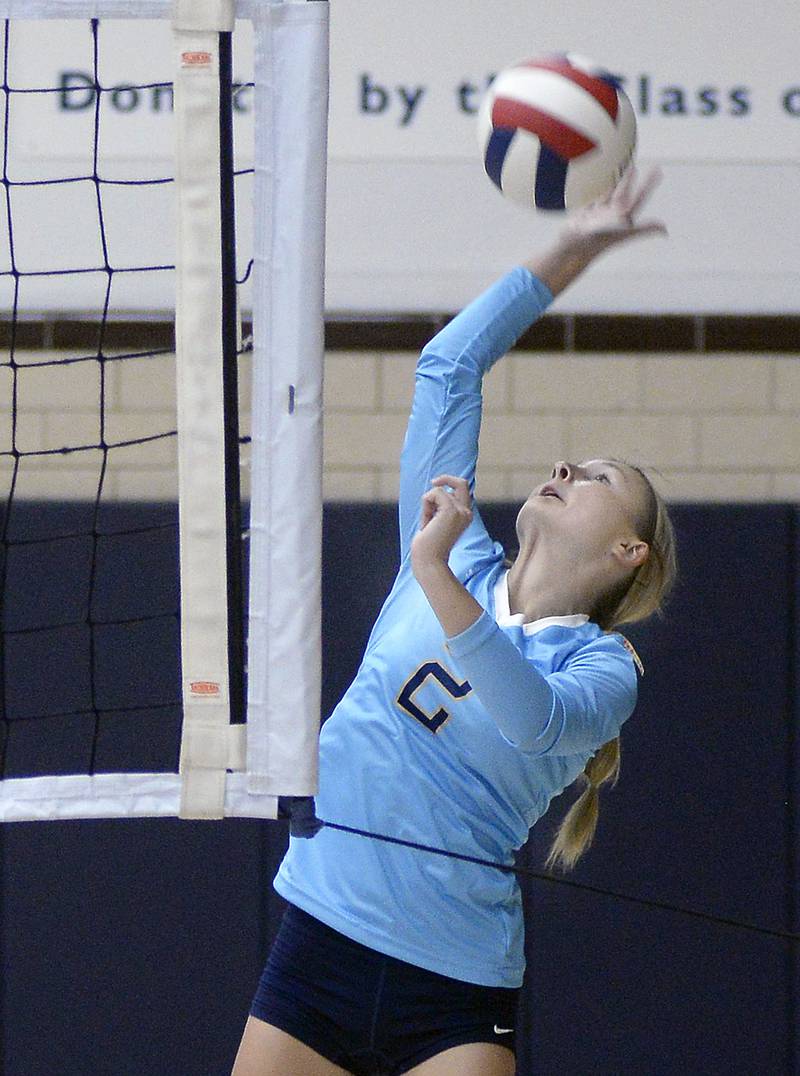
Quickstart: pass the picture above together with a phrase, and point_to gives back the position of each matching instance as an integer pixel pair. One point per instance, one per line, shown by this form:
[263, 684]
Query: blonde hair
[636, 599]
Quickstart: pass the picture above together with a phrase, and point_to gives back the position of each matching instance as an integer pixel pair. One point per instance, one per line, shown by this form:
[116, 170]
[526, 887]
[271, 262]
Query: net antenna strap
[206, 750]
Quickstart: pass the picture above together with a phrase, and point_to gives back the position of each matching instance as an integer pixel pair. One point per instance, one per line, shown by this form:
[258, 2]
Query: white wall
[413, 223]
[428, 235]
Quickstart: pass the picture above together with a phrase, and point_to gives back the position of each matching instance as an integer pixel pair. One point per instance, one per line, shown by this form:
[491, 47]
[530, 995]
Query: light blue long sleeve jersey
[461, 743]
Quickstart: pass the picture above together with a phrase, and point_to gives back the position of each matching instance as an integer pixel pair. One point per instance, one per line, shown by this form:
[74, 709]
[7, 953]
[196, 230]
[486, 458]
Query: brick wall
[717, 425]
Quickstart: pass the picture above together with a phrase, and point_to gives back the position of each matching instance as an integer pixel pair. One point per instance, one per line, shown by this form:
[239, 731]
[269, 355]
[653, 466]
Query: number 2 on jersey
[432, 722]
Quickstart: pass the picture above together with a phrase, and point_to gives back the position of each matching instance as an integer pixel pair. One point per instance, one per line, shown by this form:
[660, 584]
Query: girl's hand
[613, 219]
[596, 228]
[445, 516]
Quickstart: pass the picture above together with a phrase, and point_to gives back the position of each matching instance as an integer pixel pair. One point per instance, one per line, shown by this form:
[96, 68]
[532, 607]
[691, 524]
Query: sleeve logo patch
[636, 659]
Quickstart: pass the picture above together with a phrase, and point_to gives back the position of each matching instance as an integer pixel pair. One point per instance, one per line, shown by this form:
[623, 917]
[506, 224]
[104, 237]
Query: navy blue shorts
[369, 1013]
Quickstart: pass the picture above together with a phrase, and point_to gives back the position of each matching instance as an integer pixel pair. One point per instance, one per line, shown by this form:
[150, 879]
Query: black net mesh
[89, 584]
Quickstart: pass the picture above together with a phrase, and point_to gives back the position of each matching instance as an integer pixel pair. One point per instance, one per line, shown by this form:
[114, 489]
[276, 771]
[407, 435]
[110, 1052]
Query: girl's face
[590, 506]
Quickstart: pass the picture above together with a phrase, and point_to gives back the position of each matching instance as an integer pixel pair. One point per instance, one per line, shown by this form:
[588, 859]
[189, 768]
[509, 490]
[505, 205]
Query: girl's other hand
[445, 515]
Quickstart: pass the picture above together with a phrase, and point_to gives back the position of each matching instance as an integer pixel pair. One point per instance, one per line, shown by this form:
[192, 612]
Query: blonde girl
[484, 691]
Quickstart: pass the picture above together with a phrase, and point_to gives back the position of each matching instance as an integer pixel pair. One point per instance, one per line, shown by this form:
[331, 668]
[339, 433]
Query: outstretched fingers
[621, 193]
[636, 197]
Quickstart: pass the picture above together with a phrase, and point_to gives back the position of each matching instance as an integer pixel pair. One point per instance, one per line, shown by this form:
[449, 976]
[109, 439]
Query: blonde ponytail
[642, 596]
[576, 832]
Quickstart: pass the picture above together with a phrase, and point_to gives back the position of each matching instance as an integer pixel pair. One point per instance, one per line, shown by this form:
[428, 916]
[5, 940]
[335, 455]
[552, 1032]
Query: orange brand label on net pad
[204, 687]
[195, 59]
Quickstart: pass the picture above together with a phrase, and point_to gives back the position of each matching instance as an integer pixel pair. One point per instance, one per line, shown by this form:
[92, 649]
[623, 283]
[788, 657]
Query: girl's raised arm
[445, 420]
[443, 432]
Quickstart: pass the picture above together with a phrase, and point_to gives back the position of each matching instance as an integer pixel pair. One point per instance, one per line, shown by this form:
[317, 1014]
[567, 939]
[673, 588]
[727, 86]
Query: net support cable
[228, 768]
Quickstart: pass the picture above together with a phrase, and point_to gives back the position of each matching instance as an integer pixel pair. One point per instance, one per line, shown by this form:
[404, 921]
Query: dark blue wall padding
[134, 947]
[131, 948]
[615, 989]
[793, 805]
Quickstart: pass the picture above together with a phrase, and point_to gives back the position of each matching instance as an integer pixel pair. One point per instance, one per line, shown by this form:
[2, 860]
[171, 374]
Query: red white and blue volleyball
[556, 132]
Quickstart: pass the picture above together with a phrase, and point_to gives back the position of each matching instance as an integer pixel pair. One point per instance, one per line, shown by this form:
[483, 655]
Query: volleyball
[556, 132]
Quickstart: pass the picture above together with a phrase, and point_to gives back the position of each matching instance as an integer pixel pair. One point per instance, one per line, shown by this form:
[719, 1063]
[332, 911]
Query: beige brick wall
[716, 427]
[713, 427]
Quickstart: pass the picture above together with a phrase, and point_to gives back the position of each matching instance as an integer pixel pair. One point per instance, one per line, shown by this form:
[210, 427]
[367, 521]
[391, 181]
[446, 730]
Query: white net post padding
[291, 41]
[284, 677]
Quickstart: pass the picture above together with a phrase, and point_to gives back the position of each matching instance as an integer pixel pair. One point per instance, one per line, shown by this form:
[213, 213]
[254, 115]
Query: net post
[284, 621]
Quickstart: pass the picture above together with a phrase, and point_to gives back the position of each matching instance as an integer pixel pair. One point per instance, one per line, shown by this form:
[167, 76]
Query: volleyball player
[484, 691]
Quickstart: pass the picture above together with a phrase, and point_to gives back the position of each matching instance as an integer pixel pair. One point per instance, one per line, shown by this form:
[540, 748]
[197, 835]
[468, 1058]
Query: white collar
[505, 618]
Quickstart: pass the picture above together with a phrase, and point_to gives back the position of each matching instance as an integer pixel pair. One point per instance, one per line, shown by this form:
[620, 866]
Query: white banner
[705, 85]
[707, 82]
[134, 69]
[716, 92]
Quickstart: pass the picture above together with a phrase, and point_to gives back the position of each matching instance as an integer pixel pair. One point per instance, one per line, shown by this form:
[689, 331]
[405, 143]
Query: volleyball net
[217, 217]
